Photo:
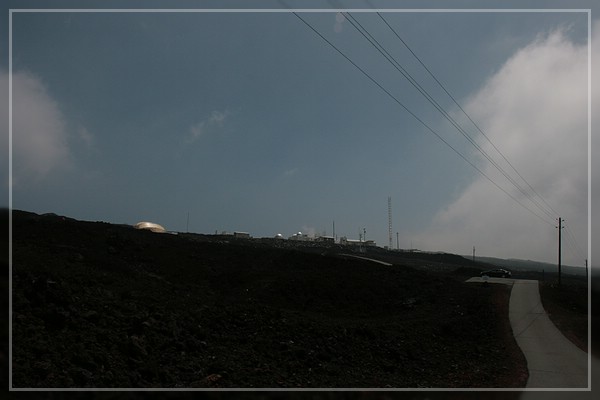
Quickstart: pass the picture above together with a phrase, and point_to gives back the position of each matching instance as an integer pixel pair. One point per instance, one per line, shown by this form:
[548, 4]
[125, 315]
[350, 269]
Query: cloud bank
[39, 139]
[534, 109]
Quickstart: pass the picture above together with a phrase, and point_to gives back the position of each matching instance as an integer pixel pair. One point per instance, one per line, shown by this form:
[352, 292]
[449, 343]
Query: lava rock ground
[97, 305]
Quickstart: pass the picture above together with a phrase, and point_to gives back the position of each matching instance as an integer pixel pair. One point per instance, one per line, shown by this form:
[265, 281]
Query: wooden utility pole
[559, 249]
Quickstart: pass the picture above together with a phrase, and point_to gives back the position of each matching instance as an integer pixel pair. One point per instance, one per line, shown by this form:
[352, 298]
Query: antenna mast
[390, 222]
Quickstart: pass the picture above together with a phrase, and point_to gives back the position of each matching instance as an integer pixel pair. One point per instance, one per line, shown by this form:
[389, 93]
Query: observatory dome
[151, 226]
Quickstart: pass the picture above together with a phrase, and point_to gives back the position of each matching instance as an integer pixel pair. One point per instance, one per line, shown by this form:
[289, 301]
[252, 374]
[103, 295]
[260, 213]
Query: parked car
[497, 273]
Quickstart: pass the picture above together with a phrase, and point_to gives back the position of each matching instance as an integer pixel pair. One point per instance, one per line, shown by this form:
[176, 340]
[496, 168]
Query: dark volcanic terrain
[103, 305]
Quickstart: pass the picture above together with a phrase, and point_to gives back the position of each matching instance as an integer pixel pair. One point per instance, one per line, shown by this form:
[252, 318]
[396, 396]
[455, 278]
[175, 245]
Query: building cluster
[304, 237]
[344, 241]
[357, 243]
[296, 237]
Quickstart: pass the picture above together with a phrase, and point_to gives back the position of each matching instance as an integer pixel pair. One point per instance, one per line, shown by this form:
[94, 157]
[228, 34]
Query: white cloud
[196, 131]
[85, 137]
[218, 118]
[535, 111]
[290, 172]
[309, 230]
[215, 121]
[39, 139]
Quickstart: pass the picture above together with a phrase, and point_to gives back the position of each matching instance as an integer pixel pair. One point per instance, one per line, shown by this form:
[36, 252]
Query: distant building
[241, 235]
[357, 243]
[302, 237]
[326, 239]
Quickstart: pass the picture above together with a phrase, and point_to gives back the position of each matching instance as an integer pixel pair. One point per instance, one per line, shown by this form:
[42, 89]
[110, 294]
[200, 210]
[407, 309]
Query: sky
[217, 121]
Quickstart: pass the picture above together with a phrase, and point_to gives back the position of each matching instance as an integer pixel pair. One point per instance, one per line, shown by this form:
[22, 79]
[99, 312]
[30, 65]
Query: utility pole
[187, 225]
[473, 253]
[560, 227]
[397, 241]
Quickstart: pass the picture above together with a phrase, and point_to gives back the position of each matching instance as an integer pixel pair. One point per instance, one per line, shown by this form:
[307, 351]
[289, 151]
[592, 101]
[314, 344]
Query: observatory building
[150, 226]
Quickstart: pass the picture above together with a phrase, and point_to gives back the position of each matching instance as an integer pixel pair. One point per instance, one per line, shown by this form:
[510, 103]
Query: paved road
[553, 360]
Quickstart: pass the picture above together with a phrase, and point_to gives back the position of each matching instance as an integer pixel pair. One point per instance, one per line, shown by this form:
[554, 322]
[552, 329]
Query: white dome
[151, 226]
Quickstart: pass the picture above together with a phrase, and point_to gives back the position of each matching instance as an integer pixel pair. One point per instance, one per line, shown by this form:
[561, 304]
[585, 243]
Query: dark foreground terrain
[567, 307]
[101, 305]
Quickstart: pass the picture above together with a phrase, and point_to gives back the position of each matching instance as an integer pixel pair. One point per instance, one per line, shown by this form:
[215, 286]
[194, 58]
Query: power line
[571, 247]
[391, 59]
[572, 243]
[416, 117]
[467, 115]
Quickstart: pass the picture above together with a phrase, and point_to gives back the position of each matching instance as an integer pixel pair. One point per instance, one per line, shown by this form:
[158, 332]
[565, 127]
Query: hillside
[533, 266]
[102, 305]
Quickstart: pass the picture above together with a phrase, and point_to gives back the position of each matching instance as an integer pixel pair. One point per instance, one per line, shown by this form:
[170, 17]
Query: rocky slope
[102, 305]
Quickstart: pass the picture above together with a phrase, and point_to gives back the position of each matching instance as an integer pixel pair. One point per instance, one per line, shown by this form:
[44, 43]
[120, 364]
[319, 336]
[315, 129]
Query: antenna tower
[390, 222]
